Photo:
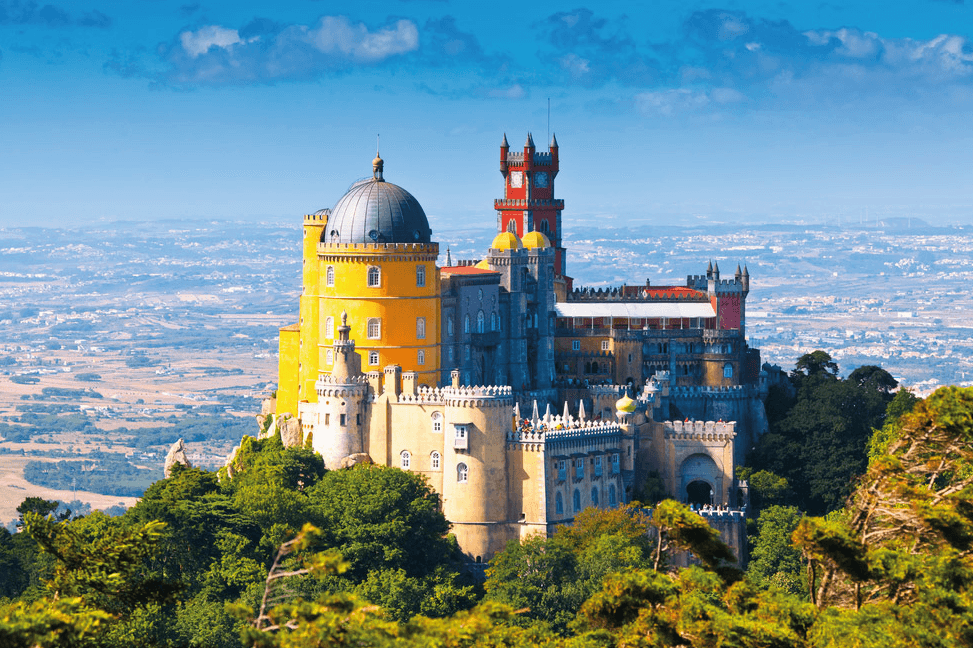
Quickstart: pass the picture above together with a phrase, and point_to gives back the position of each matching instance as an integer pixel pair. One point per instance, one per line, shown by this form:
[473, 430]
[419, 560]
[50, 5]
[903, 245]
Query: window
[327, 418]
[604, 345]
[421, 357]
[558, 504]
[421, 328]
[467, 353]
[450, 354]
[435, 459]
[466, 323]
[330, 356]
[727, 370]
[373, 358]
[420, 276]
[562, 471]
[577, 500]
[594, 496]
[374, 328]
[460, 437]
[575, 345]
[597, 466]
[479, 294]
[462, 473]
[615, 464]
[611, 495]
[579, 468]
[329, 328]
[493, 321]
[480, 322]
[437, 422]
[329, 276]
[374, 277]
[545, 227]
[341, 420]
[512, 227]
[406, 458]
[449, 326]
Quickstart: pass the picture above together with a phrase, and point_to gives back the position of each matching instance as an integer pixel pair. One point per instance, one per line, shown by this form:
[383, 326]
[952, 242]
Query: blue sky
[665, 111]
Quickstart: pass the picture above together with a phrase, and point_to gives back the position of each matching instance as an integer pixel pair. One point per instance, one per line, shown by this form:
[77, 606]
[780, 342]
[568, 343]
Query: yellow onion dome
[625, 404]
[536, 239]
[483, 265]
[506, 241]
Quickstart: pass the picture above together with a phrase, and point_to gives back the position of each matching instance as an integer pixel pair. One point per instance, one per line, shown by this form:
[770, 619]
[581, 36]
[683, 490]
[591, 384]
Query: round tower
[475, 467]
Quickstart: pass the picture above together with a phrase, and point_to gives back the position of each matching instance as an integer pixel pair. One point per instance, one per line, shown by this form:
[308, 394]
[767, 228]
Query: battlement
[478, 396]
[558, 428]
[521, 203]
[379, 248]
[626, 294]
[731, 391]
[318, 217]
[702, 430]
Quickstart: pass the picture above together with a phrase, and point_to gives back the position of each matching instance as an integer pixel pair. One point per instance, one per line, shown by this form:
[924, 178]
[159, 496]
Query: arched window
[449, 326]
[462, 473]
[329, 276]
[466, 323]
[420, 276]
[545, 227]
[480, 322]
[437, 422]
[435, 460]
[611, 495]
[594, 496]
[577, 500]
[329, 357]
[373, 358]
[727, 370]
[421, 357]
[512, 227]
[406, 459]
[374, 277]
[374, 328]
[329, 328]
[558, 504]
[421, 328]
[493, 321]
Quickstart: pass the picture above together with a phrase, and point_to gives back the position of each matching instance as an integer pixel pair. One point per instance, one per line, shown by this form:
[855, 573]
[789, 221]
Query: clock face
[540, 180]
[516, 179]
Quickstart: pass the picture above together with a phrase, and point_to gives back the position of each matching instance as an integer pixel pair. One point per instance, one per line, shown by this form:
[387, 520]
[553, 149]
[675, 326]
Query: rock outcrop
[177, 454]
[355, 459]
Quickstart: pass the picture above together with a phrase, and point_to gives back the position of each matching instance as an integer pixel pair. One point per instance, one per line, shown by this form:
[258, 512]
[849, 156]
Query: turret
[504, 149]
[738, 275]
[745, 279]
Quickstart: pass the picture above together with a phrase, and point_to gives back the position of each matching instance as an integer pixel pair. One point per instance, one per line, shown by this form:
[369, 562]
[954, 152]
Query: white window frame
[329, 328]
[373, 358]
[435, 460]
[605, 345]
[374, 328]
[421, 357]
[329, 356]
[437, 423]
[421, 328]
[462, 473]
[329, 277]
[373, 277]
[420, 276]
[405, 458]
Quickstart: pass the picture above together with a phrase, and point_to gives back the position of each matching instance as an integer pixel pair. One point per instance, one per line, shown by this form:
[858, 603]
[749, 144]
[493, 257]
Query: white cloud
[336, 34]
[669, 102]
[575, 65]
[198, 42]
[515, 91]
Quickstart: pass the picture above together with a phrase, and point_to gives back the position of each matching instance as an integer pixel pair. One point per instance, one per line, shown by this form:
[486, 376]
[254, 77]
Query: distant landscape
[116, 340]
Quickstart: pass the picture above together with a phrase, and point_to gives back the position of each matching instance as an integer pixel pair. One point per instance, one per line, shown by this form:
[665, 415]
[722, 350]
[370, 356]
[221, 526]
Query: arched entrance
[699, 493]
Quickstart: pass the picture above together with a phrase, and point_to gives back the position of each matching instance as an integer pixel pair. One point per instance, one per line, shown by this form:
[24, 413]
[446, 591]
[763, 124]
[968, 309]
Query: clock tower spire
[528, 202]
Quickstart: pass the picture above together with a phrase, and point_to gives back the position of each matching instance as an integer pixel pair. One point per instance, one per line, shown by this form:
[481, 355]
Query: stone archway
[699, 493]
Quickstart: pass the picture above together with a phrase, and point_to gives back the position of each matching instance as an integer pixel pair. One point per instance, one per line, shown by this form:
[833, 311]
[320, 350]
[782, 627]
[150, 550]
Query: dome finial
[378, 164]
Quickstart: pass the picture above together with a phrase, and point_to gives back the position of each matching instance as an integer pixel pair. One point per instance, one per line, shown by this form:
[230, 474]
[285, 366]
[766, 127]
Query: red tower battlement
[528, 202]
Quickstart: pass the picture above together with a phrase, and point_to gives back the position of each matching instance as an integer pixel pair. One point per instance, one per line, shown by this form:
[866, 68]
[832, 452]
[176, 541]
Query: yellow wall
[397, 301]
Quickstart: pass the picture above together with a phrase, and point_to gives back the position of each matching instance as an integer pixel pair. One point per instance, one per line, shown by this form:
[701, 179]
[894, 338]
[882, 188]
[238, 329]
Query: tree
[816, 363]
[774, 560]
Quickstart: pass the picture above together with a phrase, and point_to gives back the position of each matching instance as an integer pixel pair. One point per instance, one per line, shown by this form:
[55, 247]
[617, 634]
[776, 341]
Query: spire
[535, 417]
[581, 415]
[709, 269]
[449, 259]
[530, 141]
[746, 273]
[716, 268]
[553, 141]
[517, 411]
[566, 414]
[504, 144]
[378, 165]
[738, 273]
[547, 415]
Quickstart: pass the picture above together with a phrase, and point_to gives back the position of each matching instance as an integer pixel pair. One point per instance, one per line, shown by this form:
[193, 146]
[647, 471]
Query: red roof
[466, 270]
[670, 292]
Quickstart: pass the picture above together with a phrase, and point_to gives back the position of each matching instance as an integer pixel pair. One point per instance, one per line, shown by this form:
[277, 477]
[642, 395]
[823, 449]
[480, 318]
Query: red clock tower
[528, 202]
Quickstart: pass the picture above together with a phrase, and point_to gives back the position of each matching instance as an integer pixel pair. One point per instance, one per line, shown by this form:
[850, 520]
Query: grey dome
[375, 211]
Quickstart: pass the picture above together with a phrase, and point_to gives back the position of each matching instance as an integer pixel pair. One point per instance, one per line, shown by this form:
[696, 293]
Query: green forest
[862, 533]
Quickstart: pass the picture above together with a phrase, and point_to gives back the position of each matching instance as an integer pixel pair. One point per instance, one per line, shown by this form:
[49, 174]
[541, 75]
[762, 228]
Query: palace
[522, 398]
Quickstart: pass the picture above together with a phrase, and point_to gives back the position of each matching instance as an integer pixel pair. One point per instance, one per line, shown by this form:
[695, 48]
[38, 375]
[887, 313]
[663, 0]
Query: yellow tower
[371, 256]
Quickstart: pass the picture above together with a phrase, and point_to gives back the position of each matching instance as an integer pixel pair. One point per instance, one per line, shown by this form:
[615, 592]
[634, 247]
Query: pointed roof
[738, 270]
[504, 144]
[709, 268]
[553, 141]
[716, 267]
[449, 258]
[530, 141]
[746, 273]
